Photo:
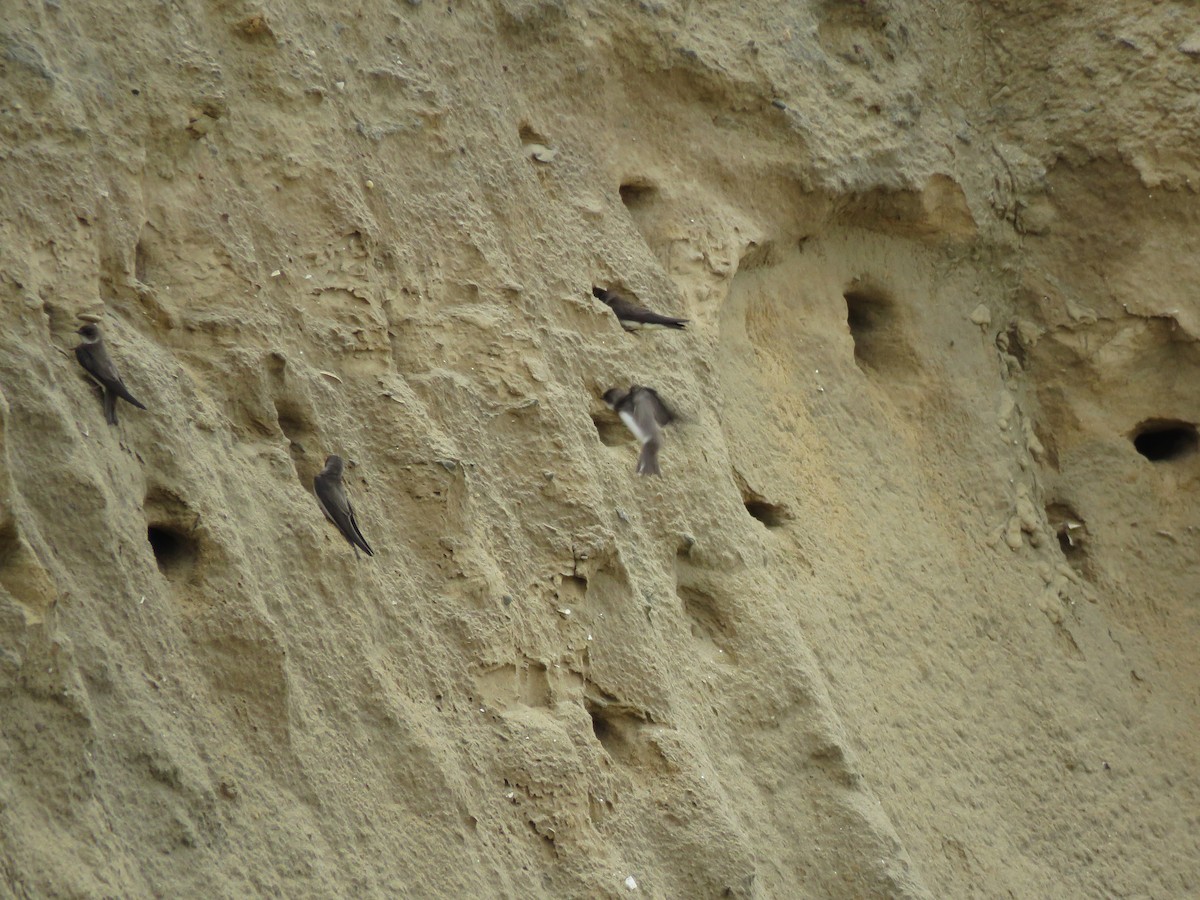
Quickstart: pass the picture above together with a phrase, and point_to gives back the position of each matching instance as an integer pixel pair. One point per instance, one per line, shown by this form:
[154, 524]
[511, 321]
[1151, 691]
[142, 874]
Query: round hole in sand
[1165, 440]
[173, 551]
[874, 323]
[773, 515]
[636, 194]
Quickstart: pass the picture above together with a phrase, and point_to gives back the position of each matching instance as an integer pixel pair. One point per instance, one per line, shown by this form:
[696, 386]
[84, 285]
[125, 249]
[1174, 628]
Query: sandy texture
[908, 614]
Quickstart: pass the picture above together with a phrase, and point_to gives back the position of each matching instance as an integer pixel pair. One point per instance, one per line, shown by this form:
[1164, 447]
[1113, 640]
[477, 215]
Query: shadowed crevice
[1165, 440]
[637, 194]
[174, 551]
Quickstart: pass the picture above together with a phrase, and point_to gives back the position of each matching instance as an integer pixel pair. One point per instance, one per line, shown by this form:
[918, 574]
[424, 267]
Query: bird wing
[631, 312]
[360, 540]
[624, 307]
[649, 412]
[643, 429]
[95, 360]
[337, 508]
[333, 500]
[649, 406]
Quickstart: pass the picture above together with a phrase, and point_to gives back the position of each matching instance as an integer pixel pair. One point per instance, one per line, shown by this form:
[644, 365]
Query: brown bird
[93, 356]
[633, 317]
[645, 414]
[331, 494]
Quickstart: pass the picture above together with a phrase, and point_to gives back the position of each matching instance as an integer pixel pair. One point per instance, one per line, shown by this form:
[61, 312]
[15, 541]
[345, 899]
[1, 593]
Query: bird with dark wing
[93, 356]
[645, 414]
[632, 316]
[331, 494]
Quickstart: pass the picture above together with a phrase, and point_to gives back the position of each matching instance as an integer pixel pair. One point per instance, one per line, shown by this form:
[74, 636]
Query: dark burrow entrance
[875, 326]
[1072, 533]
[173, 550]
[1164, 440]
[613, 432]
[636, 194]
[773, 515]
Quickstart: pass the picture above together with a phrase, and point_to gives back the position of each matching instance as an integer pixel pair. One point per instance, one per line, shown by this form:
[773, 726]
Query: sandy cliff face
[913, 610]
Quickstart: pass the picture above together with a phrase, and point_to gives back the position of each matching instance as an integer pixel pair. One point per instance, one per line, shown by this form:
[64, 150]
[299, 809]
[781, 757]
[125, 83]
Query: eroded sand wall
[908, 614]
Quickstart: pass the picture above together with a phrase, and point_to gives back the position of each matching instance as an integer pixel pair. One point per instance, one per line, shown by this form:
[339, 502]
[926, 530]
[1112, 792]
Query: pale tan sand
[907, 614]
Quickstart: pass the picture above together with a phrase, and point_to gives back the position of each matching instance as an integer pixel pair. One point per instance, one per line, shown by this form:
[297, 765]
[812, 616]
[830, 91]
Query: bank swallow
[93, 356]
[331, 494]
[645, 414]
[632, 316]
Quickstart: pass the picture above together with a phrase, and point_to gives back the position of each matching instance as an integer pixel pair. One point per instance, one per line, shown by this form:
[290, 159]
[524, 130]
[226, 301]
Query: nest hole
[619, 730]
[174, 551]
[637, 194]
[1070, 528]
[612, 434]
[1066, 543]
[759, 256]
[869, 315]
[1165, 440]
[875, 327]
[772, 515]
[615, 730]
[10, 542]
[293, 423]
[141, 262]
[1073, 538]
[602, 728]
[1016, 346]
[530, 135]
[296, 426]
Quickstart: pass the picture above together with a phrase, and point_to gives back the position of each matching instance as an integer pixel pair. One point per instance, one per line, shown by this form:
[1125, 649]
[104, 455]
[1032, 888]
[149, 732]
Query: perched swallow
[645, 414]
[331, 494]
[631, 316]
[93, 356]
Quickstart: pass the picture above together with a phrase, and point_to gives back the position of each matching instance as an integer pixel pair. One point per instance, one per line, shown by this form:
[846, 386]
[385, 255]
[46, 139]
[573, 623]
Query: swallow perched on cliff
[93, 356]
[331, 494]
[631, 316]
[645, 414]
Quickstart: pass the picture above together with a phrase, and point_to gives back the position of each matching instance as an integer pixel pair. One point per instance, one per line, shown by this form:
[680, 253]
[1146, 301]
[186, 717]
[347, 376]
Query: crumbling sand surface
[908, 613]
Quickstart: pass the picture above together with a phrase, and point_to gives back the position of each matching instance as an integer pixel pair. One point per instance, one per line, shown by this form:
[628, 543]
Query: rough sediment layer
[913, 610]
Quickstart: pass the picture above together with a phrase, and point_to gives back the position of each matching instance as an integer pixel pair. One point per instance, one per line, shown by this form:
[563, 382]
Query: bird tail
[358, 538]
[648, 459]
[669, 322]
[110, 407]
[129, 398]
[645, 320]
